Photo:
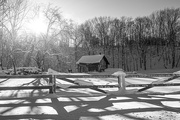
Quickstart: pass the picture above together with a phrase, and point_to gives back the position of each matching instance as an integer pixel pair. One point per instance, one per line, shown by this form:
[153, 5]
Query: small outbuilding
[92, 63]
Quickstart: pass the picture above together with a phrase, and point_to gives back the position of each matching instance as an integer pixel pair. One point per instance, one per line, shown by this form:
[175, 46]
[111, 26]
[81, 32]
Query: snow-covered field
[157, 103]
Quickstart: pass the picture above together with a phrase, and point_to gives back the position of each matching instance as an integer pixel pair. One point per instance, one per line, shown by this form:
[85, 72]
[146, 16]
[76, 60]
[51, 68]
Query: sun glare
[37, 26]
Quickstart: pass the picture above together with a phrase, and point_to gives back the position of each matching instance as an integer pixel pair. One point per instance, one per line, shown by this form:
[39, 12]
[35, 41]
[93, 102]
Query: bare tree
[3, 10]
[15, 15]
[102, 27]
[55, 30]
[172, 21]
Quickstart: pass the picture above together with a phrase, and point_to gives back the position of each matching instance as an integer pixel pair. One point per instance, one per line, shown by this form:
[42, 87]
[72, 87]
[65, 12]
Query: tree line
[147, 42]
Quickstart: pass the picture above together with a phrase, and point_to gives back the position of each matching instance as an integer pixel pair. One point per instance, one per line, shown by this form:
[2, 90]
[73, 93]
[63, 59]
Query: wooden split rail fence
[49, 86]
[121, 81]
[119, 75]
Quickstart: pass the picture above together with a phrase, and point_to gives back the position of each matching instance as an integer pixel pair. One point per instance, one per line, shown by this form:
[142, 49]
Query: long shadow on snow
[35, 82]
[84, 106]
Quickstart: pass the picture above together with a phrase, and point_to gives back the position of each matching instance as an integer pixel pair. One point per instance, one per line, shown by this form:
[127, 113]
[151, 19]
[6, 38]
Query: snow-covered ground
[161, 103]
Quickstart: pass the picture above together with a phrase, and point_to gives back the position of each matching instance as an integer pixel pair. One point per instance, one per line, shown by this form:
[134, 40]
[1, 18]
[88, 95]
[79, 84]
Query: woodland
[142, 43]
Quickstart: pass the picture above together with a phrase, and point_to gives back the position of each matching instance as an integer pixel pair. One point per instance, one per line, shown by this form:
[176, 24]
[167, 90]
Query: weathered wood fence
[49, 86]
[121, 81]
[119, 75]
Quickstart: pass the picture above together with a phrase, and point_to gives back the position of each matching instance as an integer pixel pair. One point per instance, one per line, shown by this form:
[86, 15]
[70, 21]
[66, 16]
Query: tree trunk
[173, 56]
[75, 54]
[118, 51]
[123, 58]
[137, 66]
[14, 65]
[140, 62]
[113, 56]
[178, 61]
[144, 61]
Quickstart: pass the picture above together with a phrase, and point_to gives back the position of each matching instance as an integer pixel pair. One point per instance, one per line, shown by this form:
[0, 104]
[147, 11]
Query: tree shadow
[84, 106]
[104, 103]
[30, 92]
[4, 80]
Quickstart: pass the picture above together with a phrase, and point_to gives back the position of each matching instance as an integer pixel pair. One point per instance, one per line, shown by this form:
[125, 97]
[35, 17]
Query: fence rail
[121, 81]
[115, 86]
[25, 76]
[112, 76]
[120, 78]
[49, 86]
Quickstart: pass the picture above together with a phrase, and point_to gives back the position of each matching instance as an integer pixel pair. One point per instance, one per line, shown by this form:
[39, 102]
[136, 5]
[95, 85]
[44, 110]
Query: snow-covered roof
[88, 59]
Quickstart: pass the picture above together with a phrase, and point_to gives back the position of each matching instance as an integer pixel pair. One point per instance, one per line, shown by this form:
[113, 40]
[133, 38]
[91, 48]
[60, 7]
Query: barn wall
[82, 68]
[103, 65]
[93, 67]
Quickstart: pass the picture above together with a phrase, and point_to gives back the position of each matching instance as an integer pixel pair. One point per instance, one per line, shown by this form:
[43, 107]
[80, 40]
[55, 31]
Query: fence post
[54, 84]
[52, 79]
[122, 85]
[121, 80]
[51, 90]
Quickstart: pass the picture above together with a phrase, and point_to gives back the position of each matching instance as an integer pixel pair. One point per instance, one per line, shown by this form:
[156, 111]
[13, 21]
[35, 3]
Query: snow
[158, 103]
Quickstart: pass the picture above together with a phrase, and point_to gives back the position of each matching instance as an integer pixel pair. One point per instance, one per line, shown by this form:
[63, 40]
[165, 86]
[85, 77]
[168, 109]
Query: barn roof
[88, 59]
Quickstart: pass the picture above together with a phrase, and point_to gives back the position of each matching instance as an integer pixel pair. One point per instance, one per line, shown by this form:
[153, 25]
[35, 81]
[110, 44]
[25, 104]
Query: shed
[92, 63]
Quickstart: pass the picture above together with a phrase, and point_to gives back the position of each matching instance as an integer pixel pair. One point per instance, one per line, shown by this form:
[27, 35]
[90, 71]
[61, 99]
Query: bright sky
[81, 10]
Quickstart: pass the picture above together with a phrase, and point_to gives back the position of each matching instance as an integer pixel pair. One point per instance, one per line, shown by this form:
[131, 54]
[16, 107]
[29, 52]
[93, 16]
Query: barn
[92, 63]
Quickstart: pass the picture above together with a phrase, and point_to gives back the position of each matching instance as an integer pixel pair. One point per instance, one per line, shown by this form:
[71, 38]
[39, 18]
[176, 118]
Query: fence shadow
[28, 92]
[76, 107]
[69, 105]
